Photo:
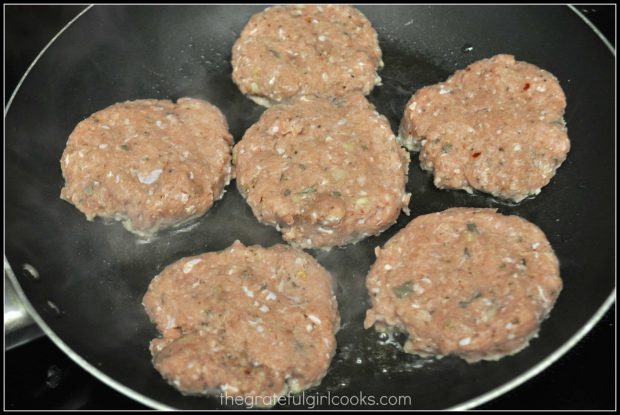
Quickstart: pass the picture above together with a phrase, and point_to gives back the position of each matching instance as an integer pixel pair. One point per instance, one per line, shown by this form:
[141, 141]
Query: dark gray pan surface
[96, 274]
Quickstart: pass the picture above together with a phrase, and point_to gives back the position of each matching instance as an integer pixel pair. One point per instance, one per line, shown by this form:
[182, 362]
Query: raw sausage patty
[323, 171]
[291, 51]
[468, 282]
[245, 321]
[497, 126]
[151, 164]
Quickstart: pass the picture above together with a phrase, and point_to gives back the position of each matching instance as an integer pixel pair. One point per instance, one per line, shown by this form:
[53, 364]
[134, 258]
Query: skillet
[93, 276]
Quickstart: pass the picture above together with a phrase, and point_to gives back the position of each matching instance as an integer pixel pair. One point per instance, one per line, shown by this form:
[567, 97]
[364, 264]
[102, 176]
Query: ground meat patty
[148, 163]
[468, 282]
[497, 126]
[291, 51]
[245, 321]
[323, 171]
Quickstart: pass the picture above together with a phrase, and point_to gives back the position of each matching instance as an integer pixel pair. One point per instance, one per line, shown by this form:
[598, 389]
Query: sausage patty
[245, 321]
[497, 126]
[323, 171]
[149, 163]
[468, 282]
[290, 51]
